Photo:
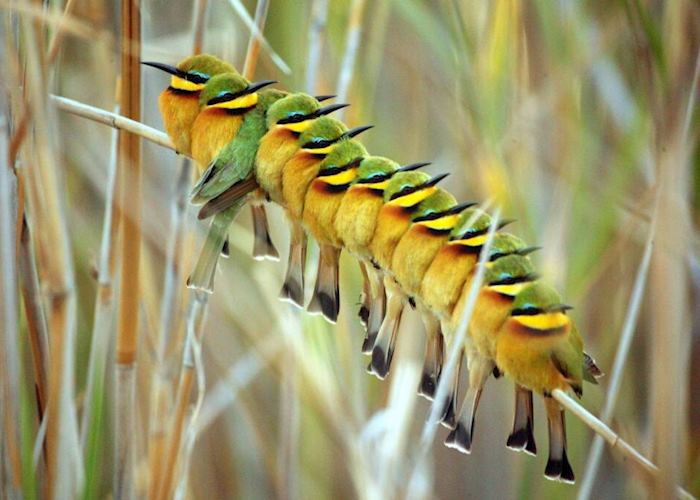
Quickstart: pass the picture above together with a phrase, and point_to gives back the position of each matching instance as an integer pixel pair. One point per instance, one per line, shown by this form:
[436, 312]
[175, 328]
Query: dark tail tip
[363, 313]
[329, 306]
[427, 387]
[459, 439]
[560, 470]
[530, 446]
[517, 440]
[226, 250]
[293, 292]
[381, 362]
[368, 343]
[448, 414]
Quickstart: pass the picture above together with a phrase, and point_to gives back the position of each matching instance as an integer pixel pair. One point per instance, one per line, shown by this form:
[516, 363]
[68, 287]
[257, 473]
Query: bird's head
[339, 167]
[231, 91]
[539, 307]
[374, 172]
[409, 188]
[297, 111]
[510, 275]
[439, 212]
[192, 73]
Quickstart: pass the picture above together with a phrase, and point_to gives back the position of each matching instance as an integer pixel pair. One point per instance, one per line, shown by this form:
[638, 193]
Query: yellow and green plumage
[286, 120]
[355, 224]
[314, 144]
[539, 348]
[221, 185]
[224, 101]
[406, 194]
[179, 103]
[323, 198]
[504, 278]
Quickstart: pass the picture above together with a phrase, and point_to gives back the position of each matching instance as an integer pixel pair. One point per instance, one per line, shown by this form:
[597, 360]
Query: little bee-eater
[337, 172]
[315, 143]
[179, 102]
[286, 120]
[408, 195]
[224, 101]
[355, 223]
[540, 349]
[430, 229]
[504, 279]
[226, 184]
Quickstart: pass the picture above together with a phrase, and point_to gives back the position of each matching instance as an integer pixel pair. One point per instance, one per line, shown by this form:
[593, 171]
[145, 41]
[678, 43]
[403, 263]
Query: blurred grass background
[574, 117]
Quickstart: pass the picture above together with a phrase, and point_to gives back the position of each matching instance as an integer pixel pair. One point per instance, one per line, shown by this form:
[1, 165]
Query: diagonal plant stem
[351, 45]
[620, 362]
[113, 120]
[614, 440]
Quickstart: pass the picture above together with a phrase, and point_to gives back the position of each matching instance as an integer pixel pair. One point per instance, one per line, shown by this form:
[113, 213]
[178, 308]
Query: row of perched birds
[414, 242]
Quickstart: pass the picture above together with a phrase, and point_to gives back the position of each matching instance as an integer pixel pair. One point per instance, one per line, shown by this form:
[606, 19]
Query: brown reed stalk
[47, 219]
[129, 290]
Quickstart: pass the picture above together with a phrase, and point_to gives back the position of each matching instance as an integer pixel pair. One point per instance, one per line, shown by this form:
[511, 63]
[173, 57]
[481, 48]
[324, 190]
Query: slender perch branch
[614, 440]
[113, 120]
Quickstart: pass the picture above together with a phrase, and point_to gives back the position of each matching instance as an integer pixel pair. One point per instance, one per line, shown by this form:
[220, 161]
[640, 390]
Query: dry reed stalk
[169, 324]
[102, 325]
[417, 484]
[130, 216]
[47, 218]
[113, 120]
[319, 15]
[614, 440]
[199, 24]
[351, 45]
[9, 340]
[621, 356]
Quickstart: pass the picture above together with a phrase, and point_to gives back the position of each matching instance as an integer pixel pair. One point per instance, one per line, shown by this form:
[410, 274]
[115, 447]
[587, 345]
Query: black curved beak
[503, 223]
[253, 87]
[528, 250]
[321, 98]
[435, 180]
[326, 110]
[559, 308]
[356, 131]
[413, 166]
[165, 67]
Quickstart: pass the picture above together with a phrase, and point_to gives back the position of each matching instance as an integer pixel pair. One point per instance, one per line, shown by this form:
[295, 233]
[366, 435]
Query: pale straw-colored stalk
[352, 43]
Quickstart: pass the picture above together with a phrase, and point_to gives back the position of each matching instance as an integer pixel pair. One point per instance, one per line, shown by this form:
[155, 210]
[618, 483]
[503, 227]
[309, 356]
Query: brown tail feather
[558, 467]
[432, 365]
[377, 310]
[462, 435]
[326, 296]
[522, 438]
[383, 350]
[448, 418]
[263, 247]
[293, 287]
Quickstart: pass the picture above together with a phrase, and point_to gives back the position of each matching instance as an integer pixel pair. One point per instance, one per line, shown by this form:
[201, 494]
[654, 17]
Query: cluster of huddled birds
[415, 244]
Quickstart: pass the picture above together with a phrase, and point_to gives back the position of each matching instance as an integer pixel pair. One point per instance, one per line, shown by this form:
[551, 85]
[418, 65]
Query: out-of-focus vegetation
[577, 118]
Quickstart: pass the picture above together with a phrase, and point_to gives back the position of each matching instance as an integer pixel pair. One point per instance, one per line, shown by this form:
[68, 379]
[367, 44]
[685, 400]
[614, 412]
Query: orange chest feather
[212, 130]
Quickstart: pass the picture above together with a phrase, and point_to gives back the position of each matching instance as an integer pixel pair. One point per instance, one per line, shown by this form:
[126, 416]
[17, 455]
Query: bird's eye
[196, 77]
[293, 117]
[527, 311]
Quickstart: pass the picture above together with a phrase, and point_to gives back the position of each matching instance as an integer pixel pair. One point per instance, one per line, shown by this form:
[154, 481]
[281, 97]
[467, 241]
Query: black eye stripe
[527, 311]
[195, 78]
[374, 178]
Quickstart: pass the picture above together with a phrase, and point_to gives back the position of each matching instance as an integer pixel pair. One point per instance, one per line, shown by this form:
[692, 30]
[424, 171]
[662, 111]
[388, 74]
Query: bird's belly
[276, 148]
[320, 209]
[356, 219]
[443, 281]
[297, 175]
[179, 112]
[212, 130]
[392, 223]
[413, 255]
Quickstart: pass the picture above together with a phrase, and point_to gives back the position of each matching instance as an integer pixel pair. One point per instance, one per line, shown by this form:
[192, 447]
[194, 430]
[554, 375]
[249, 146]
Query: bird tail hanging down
[383, 350]
[263, 247]
[433, 359]
[522, 438]
[461, 437]
[326, 296]
[293, 287]
[202, 278]
[558, 466]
